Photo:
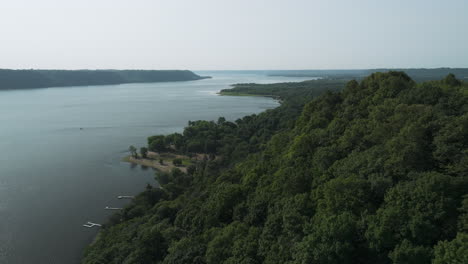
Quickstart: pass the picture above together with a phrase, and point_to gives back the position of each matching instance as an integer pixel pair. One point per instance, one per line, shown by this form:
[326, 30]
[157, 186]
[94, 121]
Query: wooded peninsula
[27, 79]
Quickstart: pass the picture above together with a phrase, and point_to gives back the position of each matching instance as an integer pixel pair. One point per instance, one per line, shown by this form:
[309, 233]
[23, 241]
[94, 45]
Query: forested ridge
[374, 171]
[23, 79]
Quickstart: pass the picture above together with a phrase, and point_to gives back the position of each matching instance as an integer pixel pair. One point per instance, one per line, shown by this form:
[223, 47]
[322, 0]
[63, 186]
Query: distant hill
[23, 79]
[418, 75]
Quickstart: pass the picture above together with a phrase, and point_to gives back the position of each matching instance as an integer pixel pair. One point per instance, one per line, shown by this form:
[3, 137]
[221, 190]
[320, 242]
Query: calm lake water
[54, 176]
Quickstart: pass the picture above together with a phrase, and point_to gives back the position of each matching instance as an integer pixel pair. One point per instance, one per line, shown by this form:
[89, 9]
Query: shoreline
[153, 161]
[276, 98]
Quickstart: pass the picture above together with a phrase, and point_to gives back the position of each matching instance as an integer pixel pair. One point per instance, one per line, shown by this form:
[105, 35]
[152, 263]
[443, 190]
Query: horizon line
[194, 70]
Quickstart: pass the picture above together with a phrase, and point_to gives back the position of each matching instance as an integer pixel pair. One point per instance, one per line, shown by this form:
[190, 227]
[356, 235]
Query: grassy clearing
[153, 160]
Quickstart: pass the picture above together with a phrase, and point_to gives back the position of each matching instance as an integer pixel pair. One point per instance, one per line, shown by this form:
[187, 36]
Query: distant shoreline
[417, 74]
[35, 79]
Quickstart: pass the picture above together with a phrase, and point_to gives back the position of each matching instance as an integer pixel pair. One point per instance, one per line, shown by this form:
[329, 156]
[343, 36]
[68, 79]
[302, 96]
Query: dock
[91, 224]
[125, 197]
[112, 208]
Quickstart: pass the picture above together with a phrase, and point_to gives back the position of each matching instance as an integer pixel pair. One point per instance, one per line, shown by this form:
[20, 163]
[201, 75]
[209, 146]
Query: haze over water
[54, 176]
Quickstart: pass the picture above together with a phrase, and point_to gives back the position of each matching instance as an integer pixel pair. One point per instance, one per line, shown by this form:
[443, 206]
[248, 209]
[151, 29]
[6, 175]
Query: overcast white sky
[233, 34]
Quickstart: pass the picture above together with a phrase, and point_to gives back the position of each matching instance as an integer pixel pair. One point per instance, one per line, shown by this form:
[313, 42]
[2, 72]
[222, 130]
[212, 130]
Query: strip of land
[27, 79]
[163, 161]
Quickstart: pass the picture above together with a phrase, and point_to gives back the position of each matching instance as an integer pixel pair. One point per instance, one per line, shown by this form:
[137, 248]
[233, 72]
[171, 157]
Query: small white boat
[91, 224]
[125, 197]
[112, 208]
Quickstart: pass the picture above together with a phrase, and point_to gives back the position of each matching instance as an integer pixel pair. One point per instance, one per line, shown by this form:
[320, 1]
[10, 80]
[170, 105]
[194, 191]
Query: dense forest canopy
[21, 79]
[376, 172]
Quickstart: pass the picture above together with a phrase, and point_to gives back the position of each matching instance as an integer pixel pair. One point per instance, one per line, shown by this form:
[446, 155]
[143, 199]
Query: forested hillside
[22, 79]
[376, 172]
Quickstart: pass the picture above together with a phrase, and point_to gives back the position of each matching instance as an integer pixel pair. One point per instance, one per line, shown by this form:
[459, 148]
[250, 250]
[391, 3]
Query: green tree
[221, 120]
[331, 240]
[133, 151]
[191, 169]
[407, 253]
[421, 211]
[451, 80]
[144, 152]
[157, 143]
[177, 162]
[452, 252]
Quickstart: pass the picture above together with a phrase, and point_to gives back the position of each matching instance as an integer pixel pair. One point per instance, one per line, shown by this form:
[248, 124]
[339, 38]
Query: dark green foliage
[450, 80]
[191, 169]
[21, 79]
[408, 253]
[329, 239]
[177, 162]
[133, 151]
[144, 152]
[421, 212]
[375, 173]
[157, 143]
[452, 252]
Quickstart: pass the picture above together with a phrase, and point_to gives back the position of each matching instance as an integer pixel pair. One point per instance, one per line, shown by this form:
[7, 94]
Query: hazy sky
[233, 34]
